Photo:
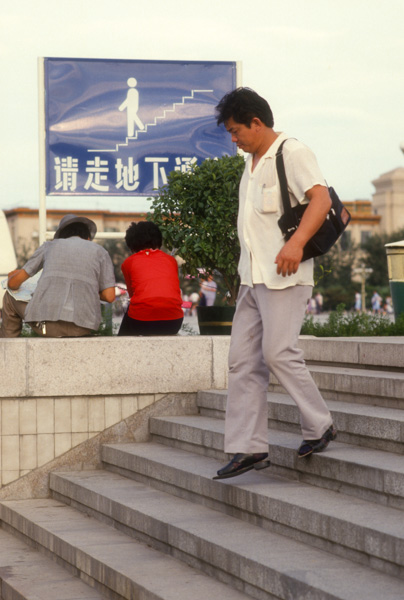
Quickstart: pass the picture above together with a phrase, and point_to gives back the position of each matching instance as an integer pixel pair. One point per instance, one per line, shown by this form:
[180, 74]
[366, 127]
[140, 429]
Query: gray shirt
[74, 272]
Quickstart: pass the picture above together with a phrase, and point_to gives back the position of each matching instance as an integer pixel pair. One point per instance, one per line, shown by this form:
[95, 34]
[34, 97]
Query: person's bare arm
[16, 278]
[108, 295]
[290, 256]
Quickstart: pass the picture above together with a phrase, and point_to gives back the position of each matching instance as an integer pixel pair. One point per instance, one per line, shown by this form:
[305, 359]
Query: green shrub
[197, 214]
[358, 324]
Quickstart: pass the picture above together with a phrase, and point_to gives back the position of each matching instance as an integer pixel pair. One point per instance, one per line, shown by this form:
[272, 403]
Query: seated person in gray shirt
[76, 275]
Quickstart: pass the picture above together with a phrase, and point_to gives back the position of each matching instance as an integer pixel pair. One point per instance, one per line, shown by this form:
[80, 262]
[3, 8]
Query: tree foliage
[334, 271]
[333, 276]
[197, 214]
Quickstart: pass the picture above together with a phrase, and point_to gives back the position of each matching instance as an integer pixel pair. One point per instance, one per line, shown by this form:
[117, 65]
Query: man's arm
[290, 256]
[108, 295]
[16, 278]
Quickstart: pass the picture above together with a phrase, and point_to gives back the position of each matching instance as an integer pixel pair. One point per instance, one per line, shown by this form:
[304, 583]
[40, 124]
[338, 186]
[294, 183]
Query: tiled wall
[59, 392]
[34, 431]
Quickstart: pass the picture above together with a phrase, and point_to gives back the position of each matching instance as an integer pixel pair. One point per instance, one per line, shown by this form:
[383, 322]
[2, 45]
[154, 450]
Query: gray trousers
[13, 315]
[264, 340]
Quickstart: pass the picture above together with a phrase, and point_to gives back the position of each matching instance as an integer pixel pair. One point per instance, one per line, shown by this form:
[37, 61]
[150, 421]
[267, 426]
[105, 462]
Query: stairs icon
[157, 120]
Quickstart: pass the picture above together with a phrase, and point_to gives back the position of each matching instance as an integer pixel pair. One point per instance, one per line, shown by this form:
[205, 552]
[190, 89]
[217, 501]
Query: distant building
[364, 222]
[388, 200]
[384, 214]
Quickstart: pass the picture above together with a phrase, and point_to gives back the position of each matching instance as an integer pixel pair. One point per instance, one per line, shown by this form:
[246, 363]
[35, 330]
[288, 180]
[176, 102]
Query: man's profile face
[245, 137]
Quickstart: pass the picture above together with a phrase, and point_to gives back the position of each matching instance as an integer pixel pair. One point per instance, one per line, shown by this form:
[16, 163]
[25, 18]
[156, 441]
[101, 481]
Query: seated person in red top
[152, 280]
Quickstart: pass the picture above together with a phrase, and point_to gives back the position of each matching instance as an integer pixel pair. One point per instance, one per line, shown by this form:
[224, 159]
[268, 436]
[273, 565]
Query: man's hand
[16, 278]
[289, 258]
[108, 295]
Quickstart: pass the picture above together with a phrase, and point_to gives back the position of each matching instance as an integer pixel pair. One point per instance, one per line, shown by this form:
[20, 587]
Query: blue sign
[118, 127]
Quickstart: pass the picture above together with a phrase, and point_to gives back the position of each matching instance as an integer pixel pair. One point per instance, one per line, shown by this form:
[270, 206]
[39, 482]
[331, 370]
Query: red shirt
[153, 286]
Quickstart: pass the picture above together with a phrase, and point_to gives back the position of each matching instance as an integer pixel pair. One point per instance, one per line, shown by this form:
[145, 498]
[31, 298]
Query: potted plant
[197, 213]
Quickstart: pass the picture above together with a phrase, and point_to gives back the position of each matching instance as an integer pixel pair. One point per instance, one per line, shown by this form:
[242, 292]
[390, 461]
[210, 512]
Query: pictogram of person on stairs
[132, 106]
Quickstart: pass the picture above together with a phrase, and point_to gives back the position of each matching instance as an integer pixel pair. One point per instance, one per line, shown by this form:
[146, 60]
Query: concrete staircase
[154, 525]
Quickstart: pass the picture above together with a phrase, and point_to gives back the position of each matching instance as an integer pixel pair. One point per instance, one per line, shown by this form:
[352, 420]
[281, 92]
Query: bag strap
[280, 167]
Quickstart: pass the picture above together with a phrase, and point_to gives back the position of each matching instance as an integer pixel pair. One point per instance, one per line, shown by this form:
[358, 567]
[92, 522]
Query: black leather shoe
[308, 447]
[241, 463]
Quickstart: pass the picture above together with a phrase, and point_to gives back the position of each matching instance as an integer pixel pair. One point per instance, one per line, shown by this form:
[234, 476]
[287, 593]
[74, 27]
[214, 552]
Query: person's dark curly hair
[143, 235]
[77, 228]
[242, 105]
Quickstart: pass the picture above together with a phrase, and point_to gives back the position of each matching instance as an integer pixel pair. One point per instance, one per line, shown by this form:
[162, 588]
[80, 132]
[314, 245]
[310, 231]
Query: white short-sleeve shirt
[260, 206]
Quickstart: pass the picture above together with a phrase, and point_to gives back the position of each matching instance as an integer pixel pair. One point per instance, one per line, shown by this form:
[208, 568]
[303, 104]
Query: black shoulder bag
[335, 223]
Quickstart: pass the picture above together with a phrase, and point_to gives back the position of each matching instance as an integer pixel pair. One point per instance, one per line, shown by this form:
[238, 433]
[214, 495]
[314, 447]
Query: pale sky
[332, 71]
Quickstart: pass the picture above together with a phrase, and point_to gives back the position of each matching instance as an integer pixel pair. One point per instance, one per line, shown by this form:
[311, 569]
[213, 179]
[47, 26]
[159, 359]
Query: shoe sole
[258, 466]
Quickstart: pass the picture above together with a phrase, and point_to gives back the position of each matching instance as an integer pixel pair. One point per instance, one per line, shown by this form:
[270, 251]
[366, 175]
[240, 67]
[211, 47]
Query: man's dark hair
[143, 235]
[79, 229]
[242, 105]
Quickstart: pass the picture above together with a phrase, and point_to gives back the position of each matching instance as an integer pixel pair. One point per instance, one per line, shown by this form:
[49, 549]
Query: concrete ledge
[377, 352]
[13, 367]
[34, 368]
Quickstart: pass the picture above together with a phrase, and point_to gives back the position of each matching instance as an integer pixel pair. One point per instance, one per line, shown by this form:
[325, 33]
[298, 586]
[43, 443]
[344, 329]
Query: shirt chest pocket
[266, 199]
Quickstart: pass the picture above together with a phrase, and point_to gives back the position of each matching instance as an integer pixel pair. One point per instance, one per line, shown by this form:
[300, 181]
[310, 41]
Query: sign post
[42, 151]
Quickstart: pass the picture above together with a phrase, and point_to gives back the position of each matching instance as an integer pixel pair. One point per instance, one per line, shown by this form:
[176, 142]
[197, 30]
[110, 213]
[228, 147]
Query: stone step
[26, 574]
[359, 424]
[362, 531]
[382, 353]
[261, 562]
[370, 474]
[359, 385]
[118, 565]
